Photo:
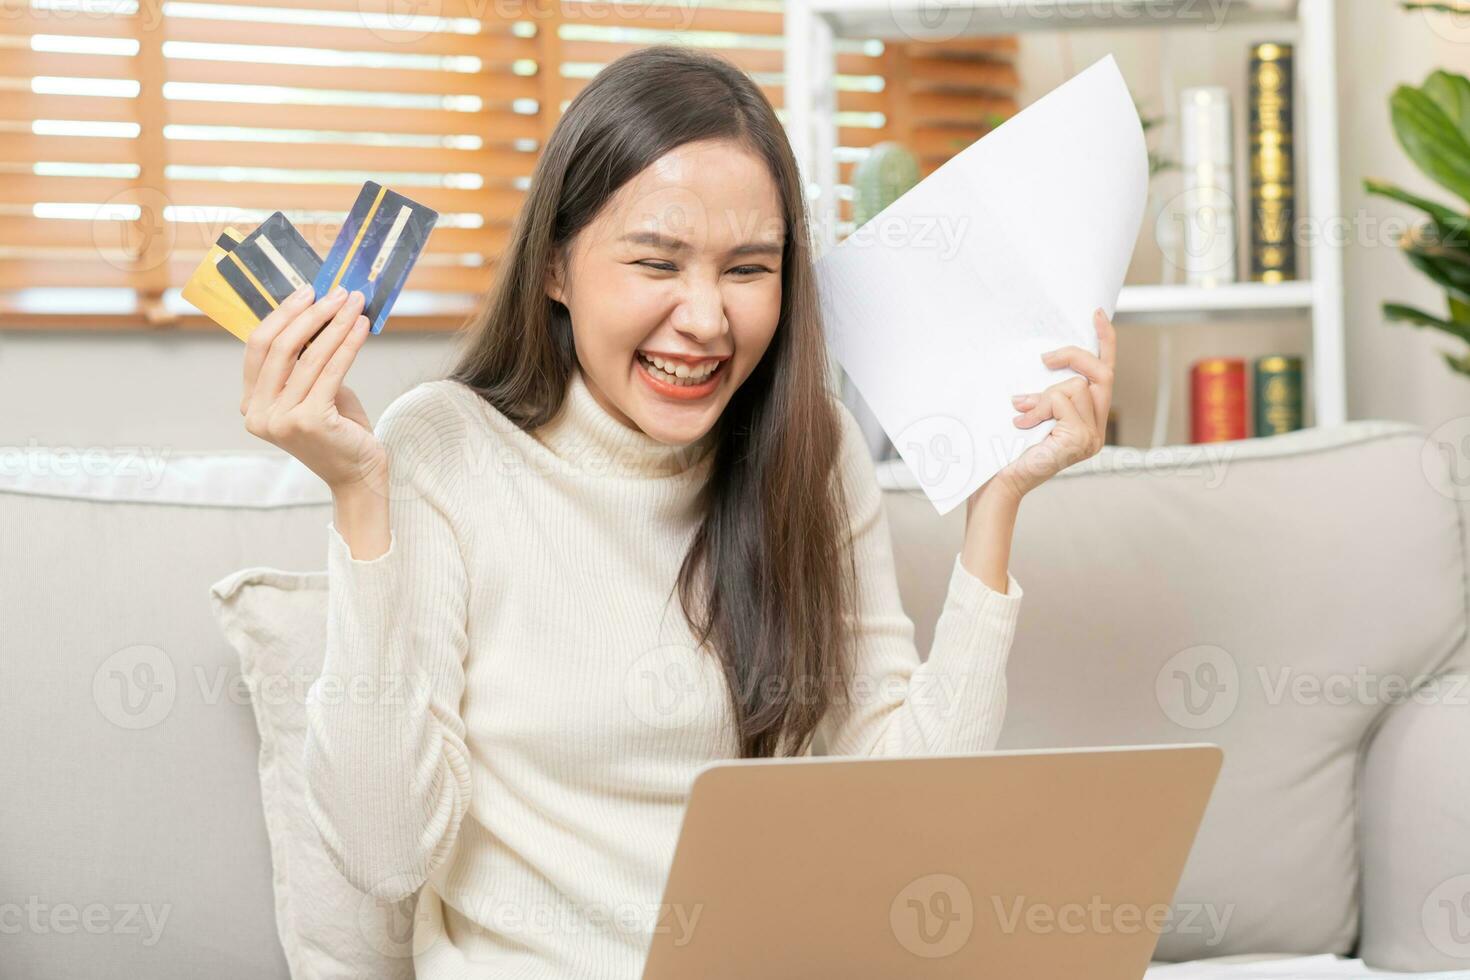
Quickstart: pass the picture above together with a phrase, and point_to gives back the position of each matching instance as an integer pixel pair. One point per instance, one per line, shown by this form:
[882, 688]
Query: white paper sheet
[940, 306]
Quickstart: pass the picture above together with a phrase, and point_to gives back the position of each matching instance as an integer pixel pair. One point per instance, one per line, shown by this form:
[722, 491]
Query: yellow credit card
[216, 298]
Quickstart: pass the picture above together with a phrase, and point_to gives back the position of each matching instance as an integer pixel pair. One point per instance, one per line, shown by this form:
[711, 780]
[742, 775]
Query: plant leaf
[1460, 364]
[1450, 219]
[1408, 314]
[1443, 6]
[1451, 277]
[1431, 139]
[1451, 93]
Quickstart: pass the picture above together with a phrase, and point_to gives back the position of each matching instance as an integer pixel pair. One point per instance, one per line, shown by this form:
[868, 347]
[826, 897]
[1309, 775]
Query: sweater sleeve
[387, 770]
[952, 702]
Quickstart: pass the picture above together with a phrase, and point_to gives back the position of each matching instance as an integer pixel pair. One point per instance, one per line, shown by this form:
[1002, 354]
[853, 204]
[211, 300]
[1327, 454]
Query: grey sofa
[1300, 600]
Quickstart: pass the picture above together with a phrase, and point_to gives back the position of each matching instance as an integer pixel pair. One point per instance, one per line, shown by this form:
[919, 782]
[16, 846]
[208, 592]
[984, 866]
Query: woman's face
[681, 272]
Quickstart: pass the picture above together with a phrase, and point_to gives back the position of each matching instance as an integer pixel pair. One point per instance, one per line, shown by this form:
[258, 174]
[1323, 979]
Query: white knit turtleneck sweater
[532, 772]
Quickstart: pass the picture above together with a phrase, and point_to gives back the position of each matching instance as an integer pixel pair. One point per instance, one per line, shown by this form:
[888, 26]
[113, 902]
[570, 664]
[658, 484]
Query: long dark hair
[769, 557]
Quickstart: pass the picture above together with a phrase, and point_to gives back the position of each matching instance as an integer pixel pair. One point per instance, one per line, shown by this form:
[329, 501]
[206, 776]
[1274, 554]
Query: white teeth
[682, 370]
[677, 373]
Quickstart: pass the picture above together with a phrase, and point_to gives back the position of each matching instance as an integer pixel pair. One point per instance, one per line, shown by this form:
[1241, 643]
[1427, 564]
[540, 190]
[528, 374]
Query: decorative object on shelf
[1273, 181]
[1157, 164]
[880, 178]
[1208, 204]
[1276, 386]
[1217, 399]
[1432, 123]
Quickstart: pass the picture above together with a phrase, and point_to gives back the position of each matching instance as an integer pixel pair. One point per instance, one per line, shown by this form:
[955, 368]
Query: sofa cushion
[1265, 595]
[277, 621]
[1415, 810]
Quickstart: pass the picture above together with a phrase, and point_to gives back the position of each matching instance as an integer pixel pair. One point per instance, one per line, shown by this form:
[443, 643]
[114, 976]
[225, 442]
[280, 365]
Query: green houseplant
[1432, 124]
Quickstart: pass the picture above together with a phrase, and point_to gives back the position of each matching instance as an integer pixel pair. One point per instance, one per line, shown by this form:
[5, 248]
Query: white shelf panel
[1236, 297]
[938, 20]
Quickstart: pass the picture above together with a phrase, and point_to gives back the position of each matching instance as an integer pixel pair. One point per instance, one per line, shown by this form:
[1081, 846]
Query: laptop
[1053, 864]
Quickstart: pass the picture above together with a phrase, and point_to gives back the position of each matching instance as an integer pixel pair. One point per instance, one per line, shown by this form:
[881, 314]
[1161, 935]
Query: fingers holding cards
[284, 346]
[328, 381]
[322, 346]
[258, 343]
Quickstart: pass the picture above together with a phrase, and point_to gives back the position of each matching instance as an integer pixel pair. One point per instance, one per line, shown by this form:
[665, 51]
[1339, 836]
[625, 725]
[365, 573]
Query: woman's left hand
[1079, 405]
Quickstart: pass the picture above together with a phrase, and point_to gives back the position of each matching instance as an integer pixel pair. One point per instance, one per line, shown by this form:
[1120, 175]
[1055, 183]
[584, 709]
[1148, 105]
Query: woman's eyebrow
[679, 245]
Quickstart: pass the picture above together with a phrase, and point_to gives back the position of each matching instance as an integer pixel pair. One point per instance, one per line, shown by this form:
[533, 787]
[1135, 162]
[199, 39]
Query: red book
[1217, 399]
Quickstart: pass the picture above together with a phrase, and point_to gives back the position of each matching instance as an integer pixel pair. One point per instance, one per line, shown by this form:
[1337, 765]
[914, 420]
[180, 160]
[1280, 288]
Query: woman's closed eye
[744, 270]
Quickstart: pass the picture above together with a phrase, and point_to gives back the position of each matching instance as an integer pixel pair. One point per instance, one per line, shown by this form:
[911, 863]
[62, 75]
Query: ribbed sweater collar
[587, 437]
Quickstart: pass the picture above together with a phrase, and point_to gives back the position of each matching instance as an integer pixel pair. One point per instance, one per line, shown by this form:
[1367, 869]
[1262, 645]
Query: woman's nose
[701, 313]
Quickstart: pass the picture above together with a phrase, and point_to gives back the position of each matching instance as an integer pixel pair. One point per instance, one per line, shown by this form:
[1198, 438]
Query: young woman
[631, 533]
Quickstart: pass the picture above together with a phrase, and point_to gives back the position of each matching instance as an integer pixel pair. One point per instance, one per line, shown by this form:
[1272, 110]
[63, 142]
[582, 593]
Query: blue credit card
[377, 246]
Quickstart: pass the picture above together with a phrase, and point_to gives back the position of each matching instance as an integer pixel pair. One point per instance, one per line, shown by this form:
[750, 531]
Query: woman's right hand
[295, 398]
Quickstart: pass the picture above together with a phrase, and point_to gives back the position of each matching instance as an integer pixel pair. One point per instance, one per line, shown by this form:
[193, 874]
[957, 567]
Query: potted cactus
[1432, 124]
[884, 175]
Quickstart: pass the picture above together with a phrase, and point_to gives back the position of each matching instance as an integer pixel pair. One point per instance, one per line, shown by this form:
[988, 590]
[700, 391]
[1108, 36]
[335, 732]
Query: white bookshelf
[813, 25]
[1140, 302]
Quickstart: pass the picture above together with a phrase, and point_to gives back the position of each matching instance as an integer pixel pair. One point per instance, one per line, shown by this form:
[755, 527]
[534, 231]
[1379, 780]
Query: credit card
[278, 258]
[381, 239]
[207, 289]
[242, 279]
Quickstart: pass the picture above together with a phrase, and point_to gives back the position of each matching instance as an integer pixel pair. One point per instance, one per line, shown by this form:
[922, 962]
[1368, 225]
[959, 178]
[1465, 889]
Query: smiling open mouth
[667, 371]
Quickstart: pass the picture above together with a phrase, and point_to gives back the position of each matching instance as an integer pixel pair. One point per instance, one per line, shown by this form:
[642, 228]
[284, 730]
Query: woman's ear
[554, 276]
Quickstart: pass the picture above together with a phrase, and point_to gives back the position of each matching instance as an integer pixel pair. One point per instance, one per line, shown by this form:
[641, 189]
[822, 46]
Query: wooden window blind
[132, 133]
